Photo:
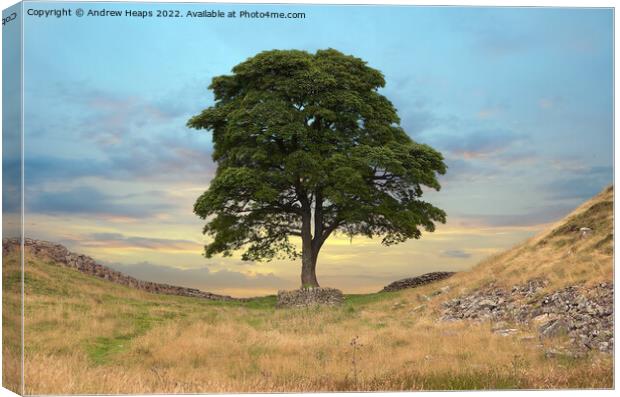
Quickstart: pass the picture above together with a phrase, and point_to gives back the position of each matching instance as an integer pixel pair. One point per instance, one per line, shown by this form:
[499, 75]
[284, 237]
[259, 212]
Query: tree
[306, 146]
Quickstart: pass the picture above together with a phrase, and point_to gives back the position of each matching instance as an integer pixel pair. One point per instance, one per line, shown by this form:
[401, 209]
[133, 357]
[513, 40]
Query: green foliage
[307, 146]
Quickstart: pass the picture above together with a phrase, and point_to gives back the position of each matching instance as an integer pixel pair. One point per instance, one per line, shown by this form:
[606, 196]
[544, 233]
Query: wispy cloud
[120, 137]
[581, 184]
[85, 200]
[478, 144]
[456, 253]
[531, 217]
[119, 240]
[203, 278]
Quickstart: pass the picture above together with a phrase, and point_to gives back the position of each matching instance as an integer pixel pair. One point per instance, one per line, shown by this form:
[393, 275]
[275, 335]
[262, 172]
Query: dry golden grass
[558, 254]
[87, 336]
[11, 324]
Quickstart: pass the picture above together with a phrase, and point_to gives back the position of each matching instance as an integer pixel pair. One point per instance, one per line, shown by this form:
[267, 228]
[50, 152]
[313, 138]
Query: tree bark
[309, 253]
[308, 268]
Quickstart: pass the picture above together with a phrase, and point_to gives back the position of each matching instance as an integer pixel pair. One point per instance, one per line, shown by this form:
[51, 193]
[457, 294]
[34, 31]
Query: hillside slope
[562, 254]
[560, 282]
[475, 330]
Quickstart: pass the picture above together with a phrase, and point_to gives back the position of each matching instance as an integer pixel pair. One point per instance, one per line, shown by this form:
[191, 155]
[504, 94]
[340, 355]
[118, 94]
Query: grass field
[85, 335]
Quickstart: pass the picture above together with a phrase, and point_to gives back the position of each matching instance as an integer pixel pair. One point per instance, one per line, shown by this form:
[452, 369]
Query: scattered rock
[553, 353]
[585, 232]
[554, 328]
[506, 331]
[584, 314]
[543, 318]
[417, 281]
[306, 297]
[481, 305]
[441, 290]
[499, 325]
[487, 304]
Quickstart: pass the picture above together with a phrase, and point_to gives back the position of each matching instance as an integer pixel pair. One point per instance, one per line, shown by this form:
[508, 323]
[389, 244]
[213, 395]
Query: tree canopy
[306, 146]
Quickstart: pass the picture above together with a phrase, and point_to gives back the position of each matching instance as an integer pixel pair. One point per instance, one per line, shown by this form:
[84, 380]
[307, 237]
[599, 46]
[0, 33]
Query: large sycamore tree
[305, 147]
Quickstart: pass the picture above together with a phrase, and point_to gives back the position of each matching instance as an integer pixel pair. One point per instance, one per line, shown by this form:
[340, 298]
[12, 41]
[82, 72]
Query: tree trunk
[308, 253]
[308, 265]
[311, 245]
[308, 271]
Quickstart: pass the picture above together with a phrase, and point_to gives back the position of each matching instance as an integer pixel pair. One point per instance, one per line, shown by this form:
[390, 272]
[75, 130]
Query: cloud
[537, 216]
[478, 144]
[154, 162]
[40, 169]
[492, 38]
[459, 254]
[416, 121]
[500, 43]
[484, 157]
[119, 137]
[178, 158]
[487, 113]
[461, 170]
[581, 184]
[546, 103]
[11, 184]
[119, 240]
[85, 200]
[111, 119]
[202, 278]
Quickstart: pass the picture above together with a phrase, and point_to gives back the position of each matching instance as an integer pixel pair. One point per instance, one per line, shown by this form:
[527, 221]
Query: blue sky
[519, 100]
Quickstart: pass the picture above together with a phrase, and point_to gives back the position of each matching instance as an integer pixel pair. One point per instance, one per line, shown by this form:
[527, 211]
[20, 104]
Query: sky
[519, 101]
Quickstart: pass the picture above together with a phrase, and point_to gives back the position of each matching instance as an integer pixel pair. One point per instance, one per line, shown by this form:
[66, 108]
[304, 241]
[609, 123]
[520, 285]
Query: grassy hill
[86, 335]
[560, 254]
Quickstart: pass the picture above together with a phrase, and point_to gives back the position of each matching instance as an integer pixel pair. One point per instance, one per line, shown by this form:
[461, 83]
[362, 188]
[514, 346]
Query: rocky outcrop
[60, 255]
[494, 303]
[306, 297]
[584, 314]
[413, 282]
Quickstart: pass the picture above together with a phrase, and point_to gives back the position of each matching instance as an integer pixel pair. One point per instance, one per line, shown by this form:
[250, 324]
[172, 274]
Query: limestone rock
[584, 314]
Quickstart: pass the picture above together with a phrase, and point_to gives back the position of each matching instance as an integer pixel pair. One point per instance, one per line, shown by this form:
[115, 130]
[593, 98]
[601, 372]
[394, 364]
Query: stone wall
[413, 282]
[306, 297]
[60, 255]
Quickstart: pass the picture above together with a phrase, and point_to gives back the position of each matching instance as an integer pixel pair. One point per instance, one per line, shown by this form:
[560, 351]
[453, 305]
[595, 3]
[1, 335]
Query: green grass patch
[474, 380]
[365, 299]
[11, 280]
[254, 322]
[101, 350]
[261, 303]
[36, 285]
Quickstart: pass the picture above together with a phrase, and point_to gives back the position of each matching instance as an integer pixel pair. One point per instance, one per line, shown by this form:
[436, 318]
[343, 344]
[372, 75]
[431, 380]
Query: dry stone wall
[306, 297]
[62, 256]
[413, 282]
